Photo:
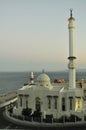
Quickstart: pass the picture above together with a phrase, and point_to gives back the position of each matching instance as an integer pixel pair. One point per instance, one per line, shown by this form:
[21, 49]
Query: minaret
[71, 65]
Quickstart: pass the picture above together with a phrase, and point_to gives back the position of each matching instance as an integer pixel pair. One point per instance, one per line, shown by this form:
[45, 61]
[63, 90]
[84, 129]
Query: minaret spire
[71, 12]
[71, 65]
[71, 15]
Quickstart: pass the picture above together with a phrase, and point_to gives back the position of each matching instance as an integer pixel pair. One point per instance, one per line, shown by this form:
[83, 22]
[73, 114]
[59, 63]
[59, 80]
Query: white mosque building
[49, 99]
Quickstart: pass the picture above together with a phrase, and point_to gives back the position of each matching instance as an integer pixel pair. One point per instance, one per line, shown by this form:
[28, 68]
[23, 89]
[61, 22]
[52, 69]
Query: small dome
[43, 78]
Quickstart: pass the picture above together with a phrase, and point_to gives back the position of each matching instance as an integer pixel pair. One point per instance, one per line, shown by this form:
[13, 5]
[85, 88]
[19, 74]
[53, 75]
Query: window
[78, 104]
[55, 102]
[26, 99]
[70, 103]
[49, 101]
[26, 103]
[21, 101]
[63, 104]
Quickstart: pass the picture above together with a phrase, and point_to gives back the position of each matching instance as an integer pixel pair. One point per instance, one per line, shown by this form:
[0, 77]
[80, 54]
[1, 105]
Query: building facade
[55, 100]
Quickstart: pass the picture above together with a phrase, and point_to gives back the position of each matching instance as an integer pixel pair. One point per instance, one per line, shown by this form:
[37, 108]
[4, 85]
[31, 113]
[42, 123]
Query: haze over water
[10, 82]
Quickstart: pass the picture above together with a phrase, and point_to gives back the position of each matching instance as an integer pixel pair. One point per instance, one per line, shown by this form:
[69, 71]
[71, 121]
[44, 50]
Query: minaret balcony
[71, 57]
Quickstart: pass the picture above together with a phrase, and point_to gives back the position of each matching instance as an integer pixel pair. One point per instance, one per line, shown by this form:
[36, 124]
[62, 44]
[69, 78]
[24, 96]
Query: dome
[43, 80]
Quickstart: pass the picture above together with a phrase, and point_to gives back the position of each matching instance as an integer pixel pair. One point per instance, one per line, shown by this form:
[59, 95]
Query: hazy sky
[34, 34]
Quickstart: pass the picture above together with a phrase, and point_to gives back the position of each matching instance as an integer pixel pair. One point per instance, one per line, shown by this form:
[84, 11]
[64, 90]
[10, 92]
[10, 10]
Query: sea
[12, 81]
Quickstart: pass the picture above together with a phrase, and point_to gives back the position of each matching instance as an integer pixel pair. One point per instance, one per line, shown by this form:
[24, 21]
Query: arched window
[38, 104]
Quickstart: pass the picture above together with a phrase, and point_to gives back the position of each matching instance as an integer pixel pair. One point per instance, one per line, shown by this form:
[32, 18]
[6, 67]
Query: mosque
[43, 98]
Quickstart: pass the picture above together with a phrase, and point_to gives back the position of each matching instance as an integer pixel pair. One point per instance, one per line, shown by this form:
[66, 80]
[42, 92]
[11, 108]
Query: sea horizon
[12, 81]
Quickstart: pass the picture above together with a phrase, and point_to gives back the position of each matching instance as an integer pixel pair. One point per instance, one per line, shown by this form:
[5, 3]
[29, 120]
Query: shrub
[26, 112]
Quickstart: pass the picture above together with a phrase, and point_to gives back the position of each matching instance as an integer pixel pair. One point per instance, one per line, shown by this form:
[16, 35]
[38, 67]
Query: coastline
[7, 96]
